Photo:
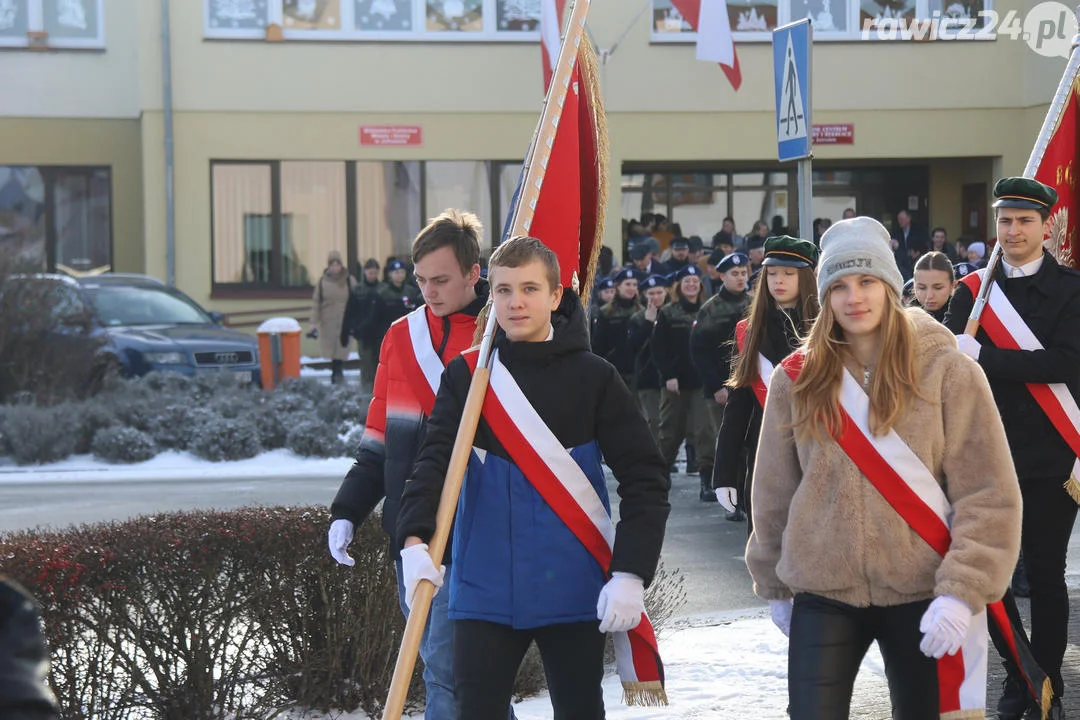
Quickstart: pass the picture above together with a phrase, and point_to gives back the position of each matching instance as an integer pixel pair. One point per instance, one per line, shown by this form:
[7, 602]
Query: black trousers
[828, 641]
[1049, 514]
[487, 656]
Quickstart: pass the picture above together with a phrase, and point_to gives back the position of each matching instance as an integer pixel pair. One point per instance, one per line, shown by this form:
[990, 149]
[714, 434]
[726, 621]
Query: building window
[275, 222]
[56, 218]
[409, 20]
[699, 201]
[388, 209]
[52, 23]
[754, 20]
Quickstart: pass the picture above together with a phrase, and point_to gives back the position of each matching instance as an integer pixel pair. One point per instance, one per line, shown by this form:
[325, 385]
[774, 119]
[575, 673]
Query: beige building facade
[276, 104]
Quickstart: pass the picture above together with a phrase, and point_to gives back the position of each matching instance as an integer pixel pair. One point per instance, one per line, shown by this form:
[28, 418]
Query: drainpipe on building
[167, 107]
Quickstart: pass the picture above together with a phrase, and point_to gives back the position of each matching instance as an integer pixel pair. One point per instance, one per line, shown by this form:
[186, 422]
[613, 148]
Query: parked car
[147, 326]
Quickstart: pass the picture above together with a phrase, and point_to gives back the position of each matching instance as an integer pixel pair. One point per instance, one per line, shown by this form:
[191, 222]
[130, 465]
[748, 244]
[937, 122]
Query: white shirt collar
[1026, 270]
[551, 333]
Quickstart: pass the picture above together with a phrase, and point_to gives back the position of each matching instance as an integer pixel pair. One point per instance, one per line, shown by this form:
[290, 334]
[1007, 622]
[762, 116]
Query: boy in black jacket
[533, 544]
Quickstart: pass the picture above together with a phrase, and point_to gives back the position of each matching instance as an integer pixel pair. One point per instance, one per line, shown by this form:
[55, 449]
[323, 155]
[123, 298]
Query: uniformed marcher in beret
[646, 382]
[397, 297]
[609, 326]
[711, 342]
[755, 249]
[680, 255]
[963, 269]
[602, 295]
[683, 415]
[1046, 296]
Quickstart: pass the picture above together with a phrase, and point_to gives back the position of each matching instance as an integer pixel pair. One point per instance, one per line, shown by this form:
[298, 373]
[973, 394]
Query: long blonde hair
[892, 385]
[745, 371]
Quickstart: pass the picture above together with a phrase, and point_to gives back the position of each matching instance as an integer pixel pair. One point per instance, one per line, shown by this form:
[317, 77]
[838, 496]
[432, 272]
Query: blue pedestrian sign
[791, 71]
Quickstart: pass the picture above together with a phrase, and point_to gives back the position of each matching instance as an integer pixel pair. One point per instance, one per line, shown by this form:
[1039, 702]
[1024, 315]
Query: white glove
[621, 603]
[781, 614]
[944, 626]
[416, 565]
[969, 346]
[340, 535]
[727, 497]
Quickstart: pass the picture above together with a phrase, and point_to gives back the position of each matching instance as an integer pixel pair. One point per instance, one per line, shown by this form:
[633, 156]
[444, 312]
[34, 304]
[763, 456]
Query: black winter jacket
[1049, 302]
[582, 399]
[742, 414]
[671, 344]
[24, 659]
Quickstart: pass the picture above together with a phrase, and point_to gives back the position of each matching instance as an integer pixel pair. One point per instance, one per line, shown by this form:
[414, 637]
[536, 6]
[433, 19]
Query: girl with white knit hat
[885, 503]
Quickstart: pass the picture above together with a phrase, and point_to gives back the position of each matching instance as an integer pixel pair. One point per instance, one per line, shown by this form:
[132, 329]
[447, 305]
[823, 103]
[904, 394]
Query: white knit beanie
[857, 246]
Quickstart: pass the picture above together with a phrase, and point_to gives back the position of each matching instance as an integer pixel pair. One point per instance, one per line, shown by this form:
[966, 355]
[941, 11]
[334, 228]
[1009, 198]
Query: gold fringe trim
[978, 714]
[645, 694]
[590, 77]
[1072, 486]
[1047, 696]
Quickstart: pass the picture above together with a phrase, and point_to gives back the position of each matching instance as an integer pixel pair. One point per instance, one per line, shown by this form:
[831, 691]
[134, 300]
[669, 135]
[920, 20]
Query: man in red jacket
[446, 256]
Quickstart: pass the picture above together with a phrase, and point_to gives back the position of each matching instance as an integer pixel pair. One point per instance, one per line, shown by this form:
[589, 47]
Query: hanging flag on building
[715, 43]
[1058, 169]
[551, 15]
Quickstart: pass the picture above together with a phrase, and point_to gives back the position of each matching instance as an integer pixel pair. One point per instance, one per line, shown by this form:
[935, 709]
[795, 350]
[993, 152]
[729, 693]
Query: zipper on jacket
[445, 337]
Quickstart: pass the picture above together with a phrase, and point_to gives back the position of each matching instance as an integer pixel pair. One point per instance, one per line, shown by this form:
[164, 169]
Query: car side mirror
[217, 317]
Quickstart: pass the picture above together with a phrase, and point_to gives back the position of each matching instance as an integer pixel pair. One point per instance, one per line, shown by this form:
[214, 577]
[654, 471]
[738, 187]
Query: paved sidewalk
[878, 708]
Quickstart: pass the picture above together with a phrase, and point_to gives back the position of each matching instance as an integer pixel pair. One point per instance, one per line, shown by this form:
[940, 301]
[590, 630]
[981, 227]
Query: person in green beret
[1043, 299]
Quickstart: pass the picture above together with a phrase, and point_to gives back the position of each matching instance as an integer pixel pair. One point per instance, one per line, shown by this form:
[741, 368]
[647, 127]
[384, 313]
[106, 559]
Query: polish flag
[551, 15]
[715, 44]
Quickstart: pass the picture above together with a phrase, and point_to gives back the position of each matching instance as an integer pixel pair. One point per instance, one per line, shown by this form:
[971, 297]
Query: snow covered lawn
[173, 465]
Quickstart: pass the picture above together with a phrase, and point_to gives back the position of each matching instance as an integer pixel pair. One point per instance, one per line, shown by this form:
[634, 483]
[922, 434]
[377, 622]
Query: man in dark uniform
[646, 384]
[642, 260]
[1046, 297]
[712, 341]
[397, 297]
[680, 255]
[609, 326]
[361, 322]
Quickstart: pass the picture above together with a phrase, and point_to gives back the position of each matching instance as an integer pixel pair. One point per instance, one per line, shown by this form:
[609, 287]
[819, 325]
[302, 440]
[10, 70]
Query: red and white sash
[765, 368]
[1007, 330]
[912, 490]
[563, 485]
[423, 365]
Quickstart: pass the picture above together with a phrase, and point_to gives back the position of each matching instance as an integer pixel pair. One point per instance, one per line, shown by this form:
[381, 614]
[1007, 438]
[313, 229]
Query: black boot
[706, 494]
[1015, 698]
[337, 371]
[691, 459]
[1056, 711]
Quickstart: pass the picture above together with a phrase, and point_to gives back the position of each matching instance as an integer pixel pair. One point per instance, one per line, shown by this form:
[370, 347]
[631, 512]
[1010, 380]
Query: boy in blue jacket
[533, 546]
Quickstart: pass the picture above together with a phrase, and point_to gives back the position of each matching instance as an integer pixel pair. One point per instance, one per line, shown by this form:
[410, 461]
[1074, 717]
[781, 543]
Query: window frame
[350, 33]
[36, 37]
[854, 33]
[493, 225]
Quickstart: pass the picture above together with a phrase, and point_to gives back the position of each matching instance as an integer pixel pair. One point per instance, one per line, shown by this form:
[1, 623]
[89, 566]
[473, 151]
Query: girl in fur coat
[885, 503]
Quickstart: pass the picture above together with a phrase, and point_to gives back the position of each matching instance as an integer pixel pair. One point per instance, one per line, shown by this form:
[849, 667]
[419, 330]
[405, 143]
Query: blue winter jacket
[514, 561]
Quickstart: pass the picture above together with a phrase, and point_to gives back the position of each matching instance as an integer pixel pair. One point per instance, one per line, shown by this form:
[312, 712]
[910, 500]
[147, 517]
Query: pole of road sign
[792, 46]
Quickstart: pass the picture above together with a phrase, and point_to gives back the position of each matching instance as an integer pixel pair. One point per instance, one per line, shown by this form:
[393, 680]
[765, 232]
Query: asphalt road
[705, 548]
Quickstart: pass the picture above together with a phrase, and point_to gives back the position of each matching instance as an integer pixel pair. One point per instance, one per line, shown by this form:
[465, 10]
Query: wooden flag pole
[1050, 123]
[533, 178]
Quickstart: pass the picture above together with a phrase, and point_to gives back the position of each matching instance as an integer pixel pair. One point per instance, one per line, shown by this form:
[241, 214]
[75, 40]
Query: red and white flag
[715, 43]
[551, 15]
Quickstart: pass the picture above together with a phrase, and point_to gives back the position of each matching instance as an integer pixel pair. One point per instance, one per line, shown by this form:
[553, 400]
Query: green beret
[1020, 192]
[786, 251]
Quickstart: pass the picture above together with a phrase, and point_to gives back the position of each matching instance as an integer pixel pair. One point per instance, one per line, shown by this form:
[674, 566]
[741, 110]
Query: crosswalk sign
[791, 72]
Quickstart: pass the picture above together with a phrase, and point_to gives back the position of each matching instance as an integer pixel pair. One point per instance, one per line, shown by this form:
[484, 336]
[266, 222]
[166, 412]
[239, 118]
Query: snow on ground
[723, 665]
[173, 465]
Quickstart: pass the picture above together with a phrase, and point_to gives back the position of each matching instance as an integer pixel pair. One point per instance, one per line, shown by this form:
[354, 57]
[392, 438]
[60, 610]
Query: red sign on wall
[394, 135]
[834, 134]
